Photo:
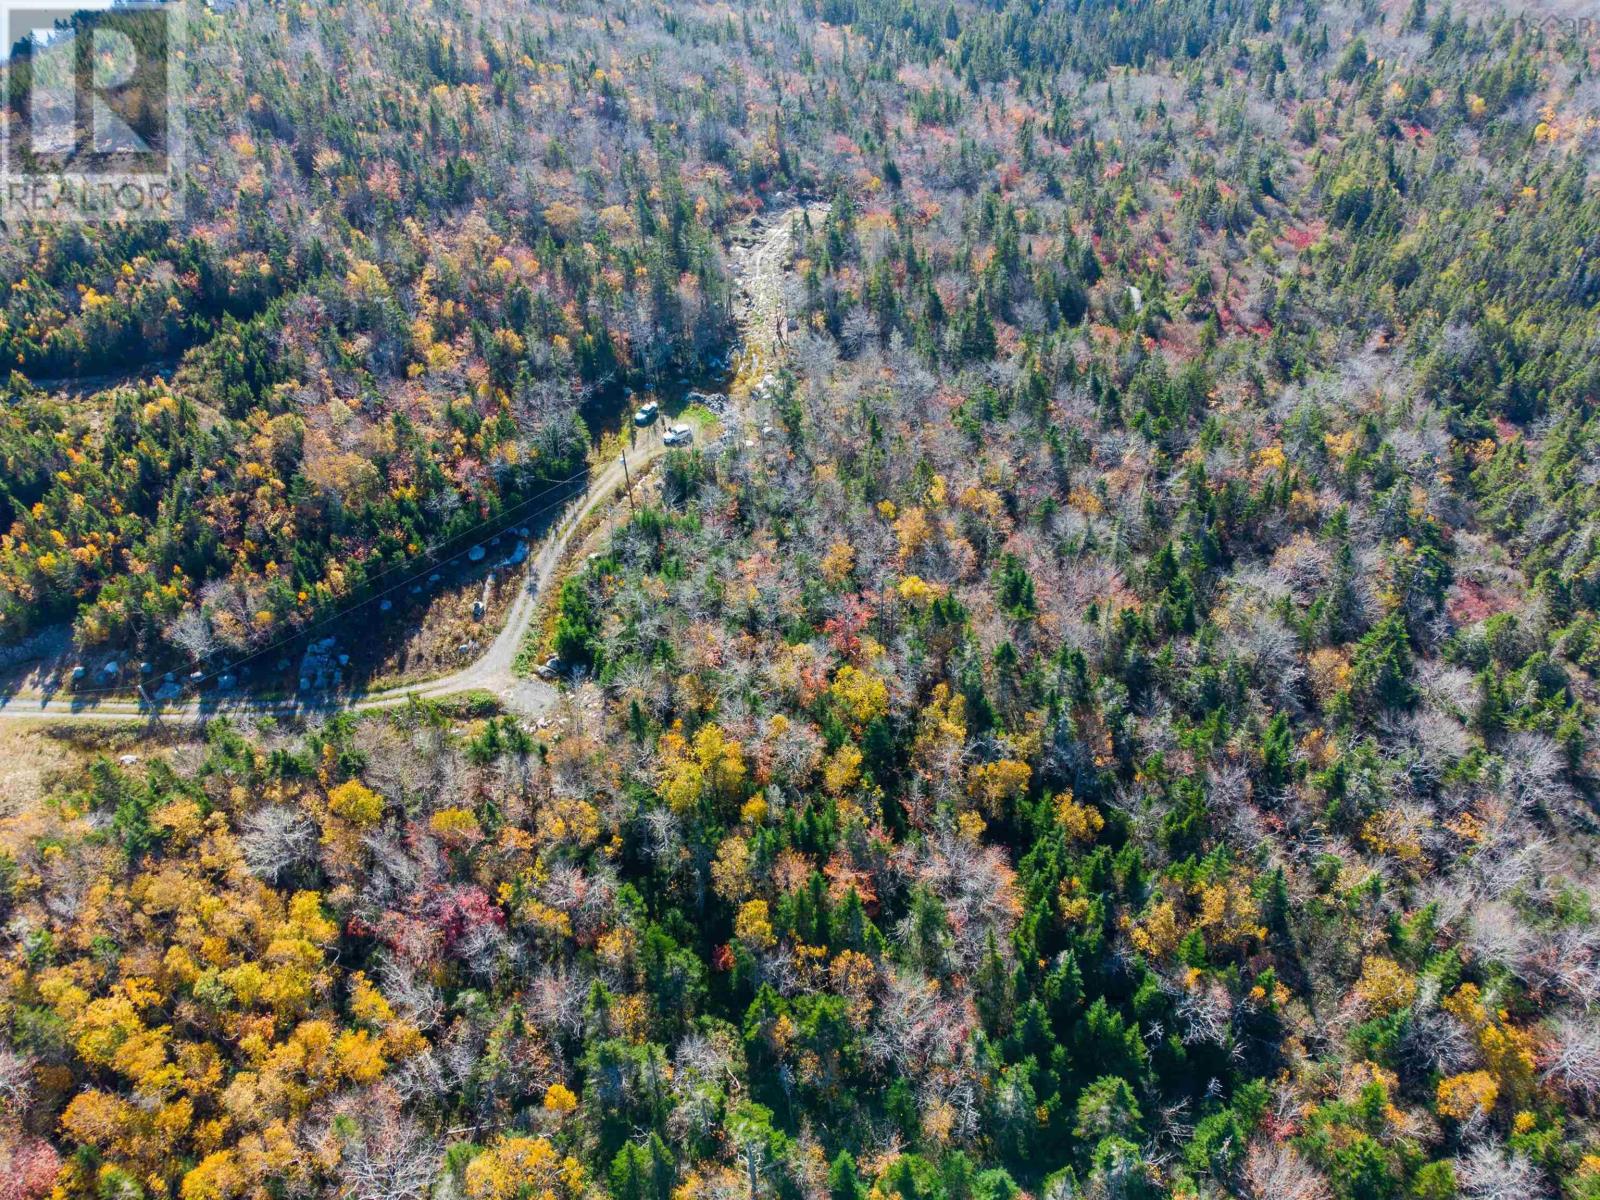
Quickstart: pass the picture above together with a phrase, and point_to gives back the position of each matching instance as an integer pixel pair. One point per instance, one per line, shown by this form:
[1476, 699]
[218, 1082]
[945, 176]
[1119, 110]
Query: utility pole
[629, 481]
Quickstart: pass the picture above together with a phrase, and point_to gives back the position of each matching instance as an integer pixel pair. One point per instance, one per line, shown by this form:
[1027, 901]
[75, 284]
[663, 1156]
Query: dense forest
[1125, 730]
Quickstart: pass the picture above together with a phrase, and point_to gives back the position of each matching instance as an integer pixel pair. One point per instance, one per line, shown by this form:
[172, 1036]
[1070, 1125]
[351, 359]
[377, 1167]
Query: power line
[343, 611]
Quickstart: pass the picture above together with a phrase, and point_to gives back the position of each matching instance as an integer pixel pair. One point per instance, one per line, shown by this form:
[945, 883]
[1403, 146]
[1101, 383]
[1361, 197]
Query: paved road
[760, 270]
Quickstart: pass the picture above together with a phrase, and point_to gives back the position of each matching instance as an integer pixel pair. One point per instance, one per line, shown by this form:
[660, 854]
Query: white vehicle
[678, 435]
[646, 414]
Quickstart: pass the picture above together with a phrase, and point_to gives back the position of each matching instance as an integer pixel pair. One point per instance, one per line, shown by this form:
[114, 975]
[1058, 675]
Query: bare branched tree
[276, 839]
[1487, 1172]
[1276, 1171]
[16, 1082]
[1572, 1058]
[390, 1156]
[191, 633]
[1534, 772]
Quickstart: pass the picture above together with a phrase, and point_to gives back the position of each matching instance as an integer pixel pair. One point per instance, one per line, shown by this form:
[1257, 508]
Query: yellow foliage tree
[861, 694]
[838, 562]
[558, 1098]
[358, 1056]
[842, 771]
[853, 974]
[1463, 1096]
[1157, 935]
[456, 827]
[356, 803]
[730, 873]
[918, 592]
[1508, 1052]
[753, 926]
[1081, 823]
[1385, 986]
[713, 764]
[1228, 914]
[913, 531]
[941, 732]
[994, 785]
[523, 1168]
[218, 1177]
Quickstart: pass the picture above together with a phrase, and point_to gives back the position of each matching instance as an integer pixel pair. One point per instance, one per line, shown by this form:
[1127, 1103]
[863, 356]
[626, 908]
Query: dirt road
[761, 314]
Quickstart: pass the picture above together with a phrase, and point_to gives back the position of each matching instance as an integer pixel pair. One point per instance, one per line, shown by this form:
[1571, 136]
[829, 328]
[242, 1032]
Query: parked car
[678, 435]
[646, 414]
